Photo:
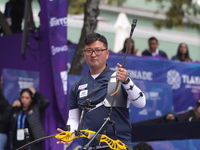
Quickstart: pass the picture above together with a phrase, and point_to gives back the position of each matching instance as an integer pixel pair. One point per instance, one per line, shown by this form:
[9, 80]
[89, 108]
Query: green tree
[91, 12]
[179, 14]
[5, 28]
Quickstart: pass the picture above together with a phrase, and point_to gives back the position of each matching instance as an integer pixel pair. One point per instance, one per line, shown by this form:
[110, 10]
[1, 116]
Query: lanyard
[19, 120]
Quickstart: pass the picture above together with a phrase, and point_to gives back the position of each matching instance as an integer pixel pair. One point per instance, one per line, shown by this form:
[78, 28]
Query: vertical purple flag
[57, 18]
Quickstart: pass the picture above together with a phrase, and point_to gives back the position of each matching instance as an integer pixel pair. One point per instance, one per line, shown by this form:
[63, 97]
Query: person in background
[170, 117]
[131, 48]
[142, 146]
[14, 14]
[5, 110]
[95, 88]
[182, 53]
[153, 49]
[195, 112]
[25, 125]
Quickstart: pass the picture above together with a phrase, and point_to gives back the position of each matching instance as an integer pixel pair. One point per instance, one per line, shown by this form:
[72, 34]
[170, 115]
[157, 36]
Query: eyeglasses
[97, 52]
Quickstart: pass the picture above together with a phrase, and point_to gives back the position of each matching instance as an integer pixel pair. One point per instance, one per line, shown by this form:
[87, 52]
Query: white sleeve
[73, 119]
[135, 95]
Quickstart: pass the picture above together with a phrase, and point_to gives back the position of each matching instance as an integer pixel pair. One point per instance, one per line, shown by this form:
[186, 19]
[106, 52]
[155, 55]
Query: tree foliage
[77, 6]
[179, 14]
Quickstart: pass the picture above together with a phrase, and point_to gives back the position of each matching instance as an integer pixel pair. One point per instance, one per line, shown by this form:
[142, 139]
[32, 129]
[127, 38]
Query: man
[153, 49]
[95, 89]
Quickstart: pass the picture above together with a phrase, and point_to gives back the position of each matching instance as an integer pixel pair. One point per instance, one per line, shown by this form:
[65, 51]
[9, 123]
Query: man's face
[94, 61]
[153, 45]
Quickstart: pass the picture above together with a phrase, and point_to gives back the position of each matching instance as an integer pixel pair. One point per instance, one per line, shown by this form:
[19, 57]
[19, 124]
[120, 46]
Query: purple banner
[57, 18]
[180, 79]
[57, 31]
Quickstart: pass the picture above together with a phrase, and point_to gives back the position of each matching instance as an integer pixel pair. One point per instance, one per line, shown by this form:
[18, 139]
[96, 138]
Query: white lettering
[143, 75]
[55, 50]
[191, 79]
[154, 94]
[25, 84]
[58, 21]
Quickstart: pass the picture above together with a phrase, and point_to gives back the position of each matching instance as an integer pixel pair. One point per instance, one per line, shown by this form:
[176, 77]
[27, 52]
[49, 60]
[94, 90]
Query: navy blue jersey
[95, 91]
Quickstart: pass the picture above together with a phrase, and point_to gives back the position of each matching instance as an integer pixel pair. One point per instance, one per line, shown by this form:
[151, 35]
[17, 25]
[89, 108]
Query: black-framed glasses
[97, 52]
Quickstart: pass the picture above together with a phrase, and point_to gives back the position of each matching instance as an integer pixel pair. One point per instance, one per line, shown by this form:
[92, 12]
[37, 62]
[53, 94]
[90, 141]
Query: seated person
[196, 112]
[131, 48]
[153, 49]
[182, 53]
[170, 117]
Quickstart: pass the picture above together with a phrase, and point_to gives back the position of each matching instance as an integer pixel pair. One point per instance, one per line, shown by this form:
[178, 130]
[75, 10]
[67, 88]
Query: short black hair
[142, 146]
[90, 38]
[153, 38]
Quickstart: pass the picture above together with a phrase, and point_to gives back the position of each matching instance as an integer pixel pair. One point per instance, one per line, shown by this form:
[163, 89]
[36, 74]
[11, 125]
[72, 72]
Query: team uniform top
[95, 91]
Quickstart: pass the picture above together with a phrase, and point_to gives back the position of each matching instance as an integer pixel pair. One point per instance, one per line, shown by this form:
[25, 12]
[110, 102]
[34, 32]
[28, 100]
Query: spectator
[131, 48]
[14, 13]
[26, 115]
[142, 146]
[153, 49]
[170, 116]
[182, 53]
[196, 112]
[4, 119]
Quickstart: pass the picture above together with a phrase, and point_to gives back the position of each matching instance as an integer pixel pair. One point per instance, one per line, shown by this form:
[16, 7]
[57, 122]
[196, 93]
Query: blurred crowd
[182, 53]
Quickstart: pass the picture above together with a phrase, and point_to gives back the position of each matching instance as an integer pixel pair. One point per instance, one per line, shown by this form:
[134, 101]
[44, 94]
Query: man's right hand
[62, 142]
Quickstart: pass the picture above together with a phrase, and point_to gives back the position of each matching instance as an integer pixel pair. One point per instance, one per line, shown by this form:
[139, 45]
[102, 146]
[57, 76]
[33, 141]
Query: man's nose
[93, 53]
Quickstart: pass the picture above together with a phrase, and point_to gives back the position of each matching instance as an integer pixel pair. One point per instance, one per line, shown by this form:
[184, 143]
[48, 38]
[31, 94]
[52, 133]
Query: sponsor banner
[182, 78]
[16, 80]
[159, 101]
[57, 20]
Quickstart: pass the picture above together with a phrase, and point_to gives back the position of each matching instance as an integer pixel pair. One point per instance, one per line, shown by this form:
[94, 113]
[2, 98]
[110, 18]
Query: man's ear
[108, 52]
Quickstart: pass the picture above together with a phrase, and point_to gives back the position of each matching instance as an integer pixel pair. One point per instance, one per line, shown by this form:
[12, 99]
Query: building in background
[145, 15]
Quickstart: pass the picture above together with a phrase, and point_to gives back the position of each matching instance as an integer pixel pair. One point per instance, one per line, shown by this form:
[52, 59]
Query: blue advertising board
[15, 80]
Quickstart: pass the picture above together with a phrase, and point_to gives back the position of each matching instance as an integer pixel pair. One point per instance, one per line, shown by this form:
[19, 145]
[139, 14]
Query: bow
[68, 136]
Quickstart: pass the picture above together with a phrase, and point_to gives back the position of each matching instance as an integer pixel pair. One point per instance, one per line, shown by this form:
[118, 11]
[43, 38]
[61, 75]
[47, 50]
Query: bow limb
[70, 136]
[67, 136]
[114, 144]
[36, 141]
[63, 136]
